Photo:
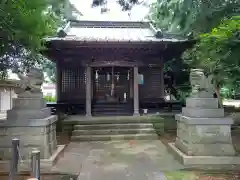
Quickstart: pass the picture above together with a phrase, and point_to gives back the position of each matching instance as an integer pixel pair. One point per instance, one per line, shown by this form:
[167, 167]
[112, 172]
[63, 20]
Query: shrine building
[111, 67]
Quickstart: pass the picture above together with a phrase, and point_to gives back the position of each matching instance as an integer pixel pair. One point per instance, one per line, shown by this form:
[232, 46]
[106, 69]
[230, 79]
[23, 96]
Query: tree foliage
[218, 52]
[50, 69]
[215, 24]
[23, 26]
[192, 16]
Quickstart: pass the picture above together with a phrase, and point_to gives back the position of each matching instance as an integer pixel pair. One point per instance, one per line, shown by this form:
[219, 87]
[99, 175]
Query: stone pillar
[88, 91]
[135, 91]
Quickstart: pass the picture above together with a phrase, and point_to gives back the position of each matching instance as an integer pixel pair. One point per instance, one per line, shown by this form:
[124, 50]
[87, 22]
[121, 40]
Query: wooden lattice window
[66, 73]
[73, 79]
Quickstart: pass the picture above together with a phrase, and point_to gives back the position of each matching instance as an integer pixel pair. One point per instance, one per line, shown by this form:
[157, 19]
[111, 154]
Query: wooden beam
[114, 44]
[85, 52]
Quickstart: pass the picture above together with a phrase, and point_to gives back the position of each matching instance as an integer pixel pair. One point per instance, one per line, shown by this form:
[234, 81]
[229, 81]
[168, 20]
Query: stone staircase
[106, 130]
[111, 109]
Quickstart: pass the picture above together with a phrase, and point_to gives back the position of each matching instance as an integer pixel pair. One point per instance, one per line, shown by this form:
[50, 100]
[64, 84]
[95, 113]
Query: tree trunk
[217, 91]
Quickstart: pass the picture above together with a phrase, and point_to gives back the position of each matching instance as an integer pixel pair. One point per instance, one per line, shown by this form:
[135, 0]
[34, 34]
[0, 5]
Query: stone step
[113, 131]
[118, 120]
[110, 109]
[113, 126]
[111, 105]
[110, 112]
[115, 137]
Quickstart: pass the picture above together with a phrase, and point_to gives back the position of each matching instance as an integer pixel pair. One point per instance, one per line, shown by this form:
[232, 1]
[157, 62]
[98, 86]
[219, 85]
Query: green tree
[211, 23]
[192, 16]
[218, 52]
[23, 26]
[50, 69]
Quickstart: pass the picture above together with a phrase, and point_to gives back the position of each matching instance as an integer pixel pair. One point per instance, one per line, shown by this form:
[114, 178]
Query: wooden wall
[151, 90]
[73, 78]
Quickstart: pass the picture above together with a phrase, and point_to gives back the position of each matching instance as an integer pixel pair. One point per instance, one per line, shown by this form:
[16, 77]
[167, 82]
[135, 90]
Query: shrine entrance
[112, 84]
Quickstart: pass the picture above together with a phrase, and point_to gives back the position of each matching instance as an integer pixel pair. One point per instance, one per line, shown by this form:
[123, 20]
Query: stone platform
[25, 165]
[202, 161]
[38, 133]
[204, 136]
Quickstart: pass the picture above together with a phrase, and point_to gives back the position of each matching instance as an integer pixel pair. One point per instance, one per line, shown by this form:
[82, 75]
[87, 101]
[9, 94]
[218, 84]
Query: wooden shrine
[117, 63]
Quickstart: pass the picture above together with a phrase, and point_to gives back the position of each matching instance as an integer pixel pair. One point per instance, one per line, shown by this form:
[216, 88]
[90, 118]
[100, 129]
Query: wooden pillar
[135, 91]
[131, 87]
[88, 91]
[58, 77]
[162, 93]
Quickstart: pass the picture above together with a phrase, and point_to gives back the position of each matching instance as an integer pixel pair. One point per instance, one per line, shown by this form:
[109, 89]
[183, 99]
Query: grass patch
[180, 175]
[158, 124]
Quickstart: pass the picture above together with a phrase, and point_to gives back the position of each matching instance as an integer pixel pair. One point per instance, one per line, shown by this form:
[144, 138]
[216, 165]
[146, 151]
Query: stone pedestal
[30, 121]
[203, 134]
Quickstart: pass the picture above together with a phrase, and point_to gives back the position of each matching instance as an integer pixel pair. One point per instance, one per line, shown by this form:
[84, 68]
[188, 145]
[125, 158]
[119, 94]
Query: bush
[50, 98]
[183, 92]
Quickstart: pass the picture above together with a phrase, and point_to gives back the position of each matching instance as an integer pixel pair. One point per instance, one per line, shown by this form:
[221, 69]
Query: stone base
[25, 165]
[207, 103]
[204, 149]
[202, 112]
[33, 134]
[204, 136]
[202, 108]
[22, 114]
[28, 103]
[202, 160]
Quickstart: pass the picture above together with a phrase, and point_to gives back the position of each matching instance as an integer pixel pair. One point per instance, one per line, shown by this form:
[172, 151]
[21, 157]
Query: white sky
[138, 12]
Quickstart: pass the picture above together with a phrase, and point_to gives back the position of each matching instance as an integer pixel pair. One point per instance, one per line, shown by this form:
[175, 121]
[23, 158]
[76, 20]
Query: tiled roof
[111, 31]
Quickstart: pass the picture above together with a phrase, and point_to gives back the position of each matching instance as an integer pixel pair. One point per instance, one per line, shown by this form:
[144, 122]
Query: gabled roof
[112, 31]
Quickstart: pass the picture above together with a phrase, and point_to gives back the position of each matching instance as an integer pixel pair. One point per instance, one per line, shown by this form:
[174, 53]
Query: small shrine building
[113, 63]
